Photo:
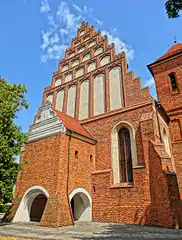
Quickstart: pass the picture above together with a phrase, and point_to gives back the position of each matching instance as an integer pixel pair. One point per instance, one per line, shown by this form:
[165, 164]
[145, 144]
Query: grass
[13, 238]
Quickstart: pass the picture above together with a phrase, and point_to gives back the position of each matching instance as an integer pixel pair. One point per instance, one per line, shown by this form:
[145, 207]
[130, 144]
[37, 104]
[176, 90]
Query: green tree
[12, 100]
[173, 7]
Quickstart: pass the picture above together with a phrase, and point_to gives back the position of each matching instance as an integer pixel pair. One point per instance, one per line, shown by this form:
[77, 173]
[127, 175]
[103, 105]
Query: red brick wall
[118, 203]
[48, 167]
[168, 98]
[177, 151]
[42, 159]
[101, 129]
[172, 102]
[82, 166]
[144, 202]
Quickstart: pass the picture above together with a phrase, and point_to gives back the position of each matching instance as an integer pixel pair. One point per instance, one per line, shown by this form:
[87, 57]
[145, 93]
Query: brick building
[101, 148]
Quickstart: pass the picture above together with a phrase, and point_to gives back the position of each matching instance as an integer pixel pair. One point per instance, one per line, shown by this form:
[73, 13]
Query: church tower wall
[167, 73]
[109, 155]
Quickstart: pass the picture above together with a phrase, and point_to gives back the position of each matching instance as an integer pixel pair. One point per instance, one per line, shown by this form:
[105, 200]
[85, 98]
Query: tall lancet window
[125, 158]
[173, 81]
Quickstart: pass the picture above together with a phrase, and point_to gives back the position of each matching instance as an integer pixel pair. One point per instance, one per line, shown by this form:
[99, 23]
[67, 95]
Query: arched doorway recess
[81, 205]
[37, 208]
[32, 205]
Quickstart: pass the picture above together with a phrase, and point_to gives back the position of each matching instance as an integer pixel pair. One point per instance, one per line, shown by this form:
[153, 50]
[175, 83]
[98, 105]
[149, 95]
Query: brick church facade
[100, 147]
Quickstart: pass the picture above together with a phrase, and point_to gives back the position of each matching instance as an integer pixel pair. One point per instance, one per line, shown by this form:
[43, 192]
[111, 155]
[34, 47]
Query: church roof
[72, 124]
[176, 48]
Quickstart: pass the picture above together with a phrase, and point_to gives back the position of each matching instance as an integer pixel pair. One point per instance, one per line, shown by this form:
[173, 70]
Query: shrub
[3, 208]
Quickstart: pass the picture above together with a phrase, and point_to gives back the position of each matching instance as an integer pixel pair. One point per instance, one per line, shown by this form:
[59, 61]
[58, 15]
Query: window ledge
[175, 92]
[122, 185]
[139, 167]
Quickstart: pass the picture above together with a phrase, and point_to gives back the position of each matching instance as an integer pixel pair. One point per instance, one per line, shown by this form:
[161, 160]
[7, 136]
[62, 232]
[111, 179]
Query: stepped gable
[93, 80]
[77, 56]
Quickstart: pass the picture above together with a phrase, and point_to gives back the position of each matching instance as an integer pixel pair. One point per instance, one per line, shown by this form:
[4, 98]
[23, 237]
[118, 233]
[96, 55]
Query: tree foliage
[12, 100]
[173, 7]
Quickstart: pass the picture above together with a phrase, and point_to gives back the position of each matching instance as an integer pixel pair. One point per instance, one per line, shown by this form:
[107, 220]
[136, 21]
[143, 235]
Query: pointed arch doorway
[81, 205]
[32, 205]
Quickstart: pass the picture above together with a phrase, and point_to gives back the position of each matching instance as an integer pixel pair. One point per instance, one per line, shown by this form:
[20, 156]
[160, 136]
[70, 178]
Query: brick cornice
[125, 109]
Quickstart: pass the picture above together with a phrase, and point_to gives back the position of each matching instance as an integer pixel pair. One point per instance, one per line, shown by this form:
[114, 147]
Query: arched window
[98, 51]
[82, 32]
[91, 44]
[68, 77]
[105, 60]
[91, 66]
[123, 152]
[86, 57]
[58, 82]
[81, 50]
[173, 81]
[71, 55]
[75, 63]
[79, 72]
[64, 68]
[125, 158]
[50, 98]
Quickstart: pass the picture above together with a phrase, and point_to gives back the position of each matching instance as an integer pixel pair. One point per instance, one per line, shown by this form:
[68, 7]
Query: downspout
[158, 106]
[68, 175]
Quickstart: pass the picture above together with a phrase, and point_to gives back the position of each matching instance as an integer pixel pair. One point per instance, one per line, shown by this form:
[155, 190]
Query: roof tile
[72, 124]
[176, 48]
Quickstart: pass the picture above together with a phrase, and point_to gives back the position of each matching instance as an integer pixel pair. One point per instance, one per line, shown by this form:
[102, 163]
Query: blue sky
[34, 34]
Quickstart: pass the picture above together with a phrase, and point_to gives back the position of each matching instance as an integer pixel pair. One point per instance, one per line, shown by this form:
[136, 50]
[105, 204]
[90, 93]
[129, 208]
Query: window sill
[175, 92]
[139, 167]
[122, 185]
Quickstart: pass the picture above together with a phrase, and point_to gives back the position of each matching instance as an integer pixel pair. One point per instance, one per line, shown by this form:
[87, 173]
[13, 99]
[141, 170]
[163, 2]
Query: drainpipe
[158, 106]
[68, 174]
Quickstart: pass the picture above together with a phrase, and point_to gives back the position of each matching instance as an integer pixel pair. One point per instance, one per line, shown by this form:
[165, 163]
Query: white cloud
[63, 31]
[54, 38]
[54, 52]
[62, 27]
[76, 7]
[150, 82]
[99, 22]
[44, 6]
[45, 39]
[51, 22]
[119, 45]
[66, 16]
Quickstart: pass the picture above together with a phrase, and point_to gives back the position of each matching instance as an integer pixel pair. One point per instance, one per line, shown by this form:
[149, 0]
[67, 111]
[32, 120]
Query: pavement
[88, 231]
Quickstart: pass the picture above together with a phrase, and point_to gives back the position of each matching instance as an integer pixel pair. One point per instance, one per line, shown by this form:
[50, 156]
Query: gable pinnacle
[175, 41]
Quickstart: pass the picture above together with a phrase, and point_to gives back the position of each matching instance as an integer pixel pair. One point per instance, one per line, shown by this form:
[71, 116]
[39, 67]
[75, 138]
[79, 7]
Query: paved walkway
[88, 231]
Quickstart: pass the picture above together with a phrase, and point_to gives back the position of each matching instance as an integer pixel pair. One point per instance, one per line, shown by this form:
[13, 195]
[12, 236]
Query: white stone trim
[115, 149]
[47, 124]
[166, 142]
[83, 191]
[161, 118]
[23, 212]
